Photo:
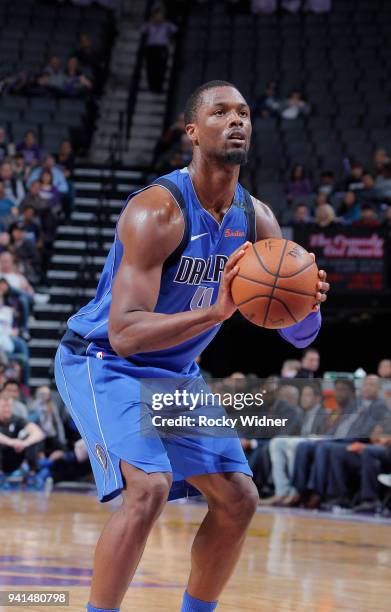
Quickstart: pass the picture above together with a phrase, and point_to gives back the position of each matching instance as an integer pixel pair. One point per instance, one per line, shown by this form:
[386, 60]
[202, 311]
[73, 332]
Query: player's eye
[244, 113]
[219, 112]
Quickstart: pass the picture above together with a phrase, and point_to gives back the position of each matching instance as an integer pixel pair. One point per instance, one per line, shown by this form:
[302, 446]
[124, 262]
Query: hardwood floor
[290, 562]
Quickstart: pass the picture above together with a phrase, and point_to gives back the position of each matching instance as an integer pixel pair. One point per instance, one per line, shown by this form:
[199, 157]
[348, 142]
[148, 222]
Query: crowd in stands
[78, 77]
[36, 193]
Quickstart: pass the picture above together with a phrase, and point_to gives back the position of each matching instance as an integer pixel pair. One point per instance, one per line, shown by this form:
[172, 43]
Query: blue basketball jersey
[190, 276]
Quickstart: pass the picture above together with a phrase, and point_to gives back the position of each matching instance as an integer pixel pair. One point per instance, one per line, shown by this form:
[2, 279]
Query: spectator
[299, 185]
[45, 412]
[354, 182]
[350, 209]
[171, 136]
[301, 215]
[16, 300]
[158, 32]
[294, 106]
[11, 391]
[368, 194]
[49, 192]
[13, 187]
[76, 83]
[384, 368]
[18, 440]
[19, 168]
[263, 6]
[7, 148]
[65, 159]
[268, 104]
[326, 185]
[59, 180]
[25, 252]
[290, 367]
[32, 225]
[309, 364]
[383, 182]
[53, 78]
[14, 277]
[8, 210]
[282, 450]
[325, 216]
[368, 217]
[13, 346]
[29, 148]
[380, 159]
[88, 57]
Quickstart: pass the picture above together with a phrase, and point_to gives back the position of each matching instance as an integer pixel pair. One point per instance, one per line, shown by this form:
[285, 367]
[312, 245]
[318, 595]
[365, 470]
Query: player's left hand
[323, 288]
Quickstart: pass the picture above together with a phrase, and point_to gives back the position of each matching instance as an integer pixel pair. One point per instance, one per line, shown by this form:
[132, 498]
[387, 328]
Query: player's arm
[304, 333]
[150, 229]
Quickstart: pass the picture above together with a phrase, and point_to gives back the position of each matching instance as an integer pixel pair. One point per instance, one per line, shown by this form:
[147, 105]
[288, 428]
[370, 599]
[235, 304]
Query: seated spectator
[11, 391]
[354, 182]
[294, 106]
[88, 57]
[4, 237]
[45, 412]
[384, 368]
[171, 136]
[10, 271]
[8, 210]
[325, 216]
[18, 441]
[13, 186]
[326, 184]
[25, 252]
[299, 185]
[309, 364]
[177, 157]
[380, 159]
[282, 450]
[368, 194]
[59, 180]
[7, 148]
[15, 299]
[268, 104]
[32, 225]
[53, 78]
[30, 149]
[290, 367]
[65, 159]
[33, 198]
[49, 192]
[350, 208]
[20, 169]
[76, 83]
[383, 182]
[368, 217]
[13, 345]
[301, 215]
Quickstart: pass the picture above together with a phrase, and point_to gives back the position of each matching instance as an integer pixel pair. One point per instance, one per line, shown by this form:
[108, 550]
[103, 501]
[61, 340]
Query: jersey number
[202, 298]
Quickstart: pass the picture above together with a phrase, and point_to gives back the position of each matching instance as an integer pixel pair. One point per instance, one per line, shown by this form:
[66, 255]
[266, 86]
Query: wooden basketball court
[291, 562]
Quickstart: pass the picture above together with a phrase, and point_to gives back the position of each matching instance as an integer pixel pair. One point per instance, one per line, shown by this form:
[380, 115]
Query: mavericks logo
[101, 454]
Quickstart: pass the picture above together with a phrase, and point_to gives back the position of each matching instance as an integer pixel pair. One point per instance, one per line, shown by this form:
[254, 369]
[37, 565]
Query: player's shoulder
[266, 222]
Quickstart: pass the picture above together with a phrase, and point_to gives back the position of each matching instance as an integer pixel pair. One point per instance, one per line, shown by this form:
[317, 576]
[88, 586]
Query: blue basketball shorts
[102, 394]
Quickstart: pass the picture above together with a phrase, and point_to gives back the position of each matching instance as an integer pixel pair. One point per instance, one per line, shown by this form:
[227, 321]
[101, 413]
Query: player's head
[218, 122]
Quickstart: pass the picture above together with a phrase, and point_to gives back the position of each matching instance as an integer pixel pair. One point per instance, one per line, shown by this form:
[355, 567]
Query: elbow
[120, 345]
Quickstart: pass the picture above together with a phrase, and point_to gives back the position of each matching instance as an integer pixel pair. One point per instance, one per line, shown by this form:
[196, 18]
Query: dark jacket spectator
[76, 83]
[299, 185]
[25, 252]
[8, 210]
[350, 208]
[30, 149]
[13, 186]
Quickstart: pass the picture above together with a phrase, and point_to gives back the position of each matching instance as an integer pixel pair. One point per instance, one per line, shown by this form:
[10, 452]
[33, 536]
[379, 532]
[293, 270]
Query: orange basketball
[276, 284]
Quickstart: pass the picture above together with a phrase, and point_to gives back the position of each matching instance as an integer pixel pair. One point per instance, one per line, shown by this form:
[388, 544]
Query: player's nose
[235, 120]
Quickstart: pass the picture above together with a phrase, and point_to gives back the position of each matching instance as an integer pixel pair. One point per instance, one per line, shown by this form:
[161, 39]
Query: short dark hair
[347, 382]
[194, 100]
[10, 381]
[310, 350]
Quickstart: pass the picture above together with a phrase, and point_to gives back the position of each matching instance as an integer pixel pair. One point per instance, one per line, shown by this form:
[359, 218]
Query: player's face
[223, 127]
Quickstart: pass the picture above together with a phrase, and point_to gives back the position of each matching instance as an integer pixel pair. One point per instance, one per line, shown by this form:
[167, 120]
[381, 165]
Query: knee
[147, 493]
[241, 502]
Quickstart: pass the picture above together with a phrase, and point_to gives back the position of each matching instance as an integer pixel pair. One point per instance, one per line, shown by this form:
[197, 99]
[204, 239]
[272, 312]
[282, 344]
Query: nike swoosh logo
[198, 236]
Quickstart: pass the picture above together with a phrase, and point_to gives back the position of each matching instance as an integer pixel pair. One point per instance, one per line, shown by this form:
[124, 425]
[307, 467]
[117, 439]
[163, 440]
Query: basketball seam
[298, 271]
[275, 283]
[255, 297]
[278, 287]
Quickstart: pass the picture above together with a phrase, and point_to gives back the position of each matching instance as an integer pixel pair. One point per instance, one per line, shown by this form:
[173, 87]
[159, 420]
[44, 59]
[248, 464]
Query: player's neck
[214, 184]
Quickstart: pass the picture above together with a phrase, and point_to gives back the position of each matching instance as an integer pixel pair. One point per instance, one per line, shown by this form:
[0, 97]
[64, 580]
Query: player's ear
[191, 131]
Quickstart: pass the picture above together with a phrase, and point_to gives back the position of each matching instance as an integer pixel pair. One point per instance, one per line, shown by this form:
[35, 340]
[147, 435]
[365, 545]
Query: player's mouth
[237, 137]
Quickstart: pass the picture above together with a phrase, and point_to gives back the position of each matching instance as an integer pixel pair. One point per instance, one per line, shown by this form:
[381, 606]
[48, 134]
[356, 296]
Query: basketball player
[162, 296]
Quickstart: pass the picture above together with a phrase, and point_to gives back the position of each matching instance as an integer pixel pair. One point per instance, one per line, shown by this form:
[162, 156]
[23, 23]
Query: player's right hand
[224, 306]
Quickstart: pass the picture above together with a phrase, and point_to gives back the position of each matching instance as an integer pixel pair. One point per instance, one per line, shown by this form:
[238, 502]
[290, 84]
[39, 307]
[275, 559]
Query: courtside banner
[255, 408]
[356, 258]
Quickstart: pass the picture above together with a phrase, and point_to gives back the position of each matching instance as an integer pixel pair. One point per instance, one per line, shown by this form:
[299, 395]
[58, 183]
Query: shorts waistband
[76, 343]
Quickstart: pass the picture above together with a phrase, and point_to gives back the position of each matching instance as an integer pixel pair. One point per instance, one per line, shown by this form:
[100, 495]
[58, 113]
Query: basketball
[276, 284]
